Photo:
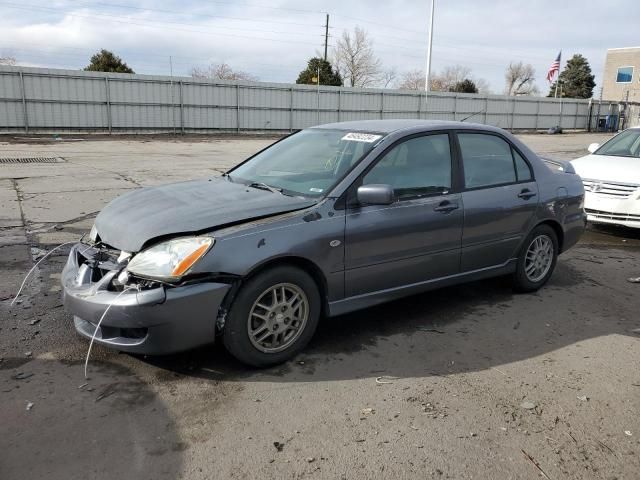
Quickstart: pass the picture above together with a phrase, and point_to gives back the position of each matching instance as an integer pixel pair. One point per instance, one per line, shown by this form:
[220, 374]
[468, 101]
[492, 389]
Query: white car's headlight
[172, 259]
[93, 234]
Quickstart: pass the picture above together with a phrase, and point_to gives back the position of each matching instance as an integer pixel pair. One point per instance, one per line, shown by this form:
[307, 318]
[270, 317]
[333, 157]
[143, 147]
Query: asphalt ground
[471, 381]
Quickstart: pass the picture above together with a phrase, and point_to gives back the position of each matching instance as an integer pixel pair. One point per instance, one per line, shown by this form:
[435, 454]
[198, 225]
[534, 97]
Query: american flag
[554, 68]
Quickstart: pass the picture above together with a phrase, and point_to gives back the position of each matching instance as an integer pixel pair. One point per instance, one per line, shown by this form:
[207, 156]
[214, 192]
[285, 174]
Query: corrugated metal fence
[49, 100]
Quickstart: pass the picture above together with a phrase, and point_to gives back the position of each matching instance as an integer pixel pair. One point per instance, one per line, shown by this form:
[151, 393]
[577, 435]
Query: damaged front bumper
[153, 320]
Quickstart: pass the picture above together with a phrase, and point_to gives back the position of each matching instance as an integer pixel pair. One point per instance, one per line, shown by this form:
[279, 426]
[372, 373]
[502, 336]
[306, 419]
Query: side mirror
[593, 147]
[375, 194]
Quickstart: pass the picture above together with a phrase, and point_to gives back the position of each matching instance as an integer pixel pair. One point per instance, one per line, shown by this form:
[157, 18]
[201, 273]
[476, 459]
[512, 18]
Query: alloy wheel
[539, 258]
[278, 317]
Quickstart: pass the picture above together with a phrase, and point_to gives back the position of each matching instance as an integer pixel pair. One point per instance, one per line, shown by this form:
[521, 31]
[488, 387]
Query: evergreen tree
[464, 86]
[328, 76]
[106, 61]
[576, 79]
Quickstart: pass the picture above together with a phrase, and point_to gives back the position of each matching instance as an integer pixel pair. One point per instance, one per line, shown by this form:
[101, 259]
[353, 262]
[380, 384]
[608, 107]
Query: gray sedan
[326, 221]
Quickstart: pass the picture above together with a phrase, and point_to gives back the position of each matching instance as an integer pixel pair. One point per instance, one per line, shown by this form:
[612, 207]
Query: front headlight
[93, 234]
[172, 259]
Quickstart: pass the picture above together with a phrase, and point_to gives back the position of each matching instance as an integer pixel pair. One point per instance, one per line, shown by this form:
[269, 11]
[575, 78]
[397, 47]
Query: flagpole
[427, 73]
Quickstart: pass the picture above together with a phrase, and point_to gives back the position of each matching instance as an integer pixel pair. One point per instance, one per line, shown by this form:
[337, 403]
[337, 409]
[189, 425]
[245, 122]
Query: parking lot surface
[471, 381]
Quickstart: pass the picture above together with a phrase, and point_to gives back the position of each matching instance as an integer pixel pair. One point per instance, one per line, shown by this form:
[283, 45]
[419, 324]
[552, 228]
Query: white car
[611, 178]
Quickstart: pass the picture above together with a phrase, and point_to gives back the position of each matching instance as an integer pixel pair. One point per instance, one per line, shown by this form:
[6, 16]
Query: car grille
[612, 216]
[617, 190]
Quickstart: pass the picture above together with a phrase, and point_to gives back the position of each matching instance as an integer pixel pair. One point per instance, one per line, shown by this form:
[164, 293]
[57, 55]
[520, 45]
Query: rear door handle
[526, 194]
[445, 207]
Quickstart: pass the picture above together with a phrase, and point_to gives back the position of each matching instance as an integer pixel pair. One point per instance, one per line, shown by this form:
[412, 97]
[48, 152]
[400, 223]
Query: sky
[274, 39]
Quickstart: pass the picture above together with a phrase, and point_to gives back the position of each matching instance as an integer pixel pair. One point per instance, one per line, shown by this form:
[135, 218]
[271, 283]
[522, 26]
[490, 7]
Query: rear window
[490, 160]
[487, 160]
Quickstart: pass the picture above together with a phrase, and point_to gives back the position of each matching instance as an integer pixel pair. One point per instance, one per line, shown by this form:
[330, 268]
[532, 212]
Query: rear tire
[273, 317]
[537, 259]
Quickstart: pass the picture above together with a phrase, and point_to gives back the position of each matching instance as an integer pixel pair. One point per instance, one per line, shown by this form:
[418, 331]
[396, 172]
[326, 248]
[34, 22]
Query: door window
[417, 167]
[489, 160]
[523, 171]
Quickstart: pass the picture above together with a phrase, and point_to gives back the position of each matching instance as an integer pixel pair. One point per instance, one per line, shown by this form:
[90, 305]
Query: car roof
[393, 125]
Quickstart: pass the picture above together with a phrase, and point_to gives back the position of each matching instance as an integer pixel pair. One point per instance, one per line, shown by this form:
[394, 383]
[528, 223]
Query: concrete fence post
[237, 107]
[181, 108]
[537, 119]
[455, 106]
[486, 109]
[381, 105]
[339, 102]
[24, 104]
[291, 109]
[513, 113]
[107, 95]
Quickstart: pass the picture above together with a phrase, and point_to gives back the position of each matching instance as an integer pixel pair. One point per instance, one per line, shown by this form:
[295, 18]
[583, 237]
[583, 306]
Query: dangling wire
[36, 265]
[104, 314]
[90, 247]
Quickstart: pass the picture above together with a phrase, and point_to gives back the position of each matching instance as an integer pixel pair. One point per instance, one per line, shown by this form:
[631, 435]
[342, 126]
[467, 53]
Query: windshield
[308, 163]
[625, 144]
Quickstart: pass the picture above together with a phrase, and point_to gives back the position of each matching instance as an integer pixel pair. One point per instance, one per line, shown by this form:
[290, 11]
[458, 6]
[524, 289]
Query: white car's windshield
[308, 163]
[626, 144]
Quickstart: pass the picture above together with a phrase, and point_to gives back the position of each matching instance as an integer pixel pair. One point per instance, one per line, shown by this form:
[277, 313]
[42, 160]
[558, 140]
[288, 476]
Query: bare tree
[7, 60]
[452, 75]
[355, 60]
[482, 85]
[389, 76]
[221, 71]
[444, 81]
[520, 79]
[412, 80]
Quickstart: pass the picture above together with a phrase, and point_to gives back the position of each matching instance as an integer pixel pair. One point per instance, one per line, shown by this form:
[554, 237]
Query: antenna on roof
[474, 114]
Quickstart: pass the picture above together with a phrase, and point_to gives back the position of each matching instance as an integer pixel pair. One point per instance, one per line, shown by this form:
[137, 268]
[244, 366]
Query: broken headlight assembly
[170, 260]
[93, 234]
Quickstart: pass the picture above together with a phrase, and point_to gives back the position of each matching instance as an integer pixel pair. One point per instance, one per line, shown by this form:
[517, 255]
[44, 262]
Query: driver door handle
[526, 194]
[446, 206]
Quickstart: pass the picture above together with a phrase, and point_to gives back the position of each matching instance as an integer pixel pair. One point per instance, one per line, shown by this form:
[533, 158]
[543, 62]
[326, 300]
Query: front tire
[273, 317]
[537, 259]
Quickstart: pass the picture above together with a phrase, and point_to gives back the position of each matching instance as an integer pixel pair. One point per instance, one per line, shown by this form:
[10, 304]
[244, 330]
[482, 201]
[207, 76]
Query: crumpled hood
[608, 168]
[131, 220]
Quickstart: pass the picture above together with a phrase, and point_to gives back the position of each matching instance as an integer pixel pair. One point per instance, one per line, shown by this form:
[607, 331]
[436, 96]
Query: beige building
[622, 74]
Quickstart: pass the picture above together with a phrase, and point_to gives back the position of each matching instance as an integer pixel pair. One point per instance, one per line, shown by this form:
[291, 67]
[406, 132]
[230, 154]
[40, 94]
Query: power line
[383, 25]
[117, 19]
[298, 10]
[231, 3]
[152, 22]
[173, 12]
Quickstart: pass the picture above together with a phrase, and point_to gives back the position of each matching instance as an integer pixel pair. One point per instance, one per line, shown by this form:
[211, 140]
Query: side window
[523, 172]
[487, 160]
[420, 166]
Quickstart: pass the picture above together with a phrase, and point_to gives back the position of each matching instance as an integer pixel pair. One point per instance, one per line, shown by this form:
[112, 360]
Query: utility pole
[427, 76]
[326, 37]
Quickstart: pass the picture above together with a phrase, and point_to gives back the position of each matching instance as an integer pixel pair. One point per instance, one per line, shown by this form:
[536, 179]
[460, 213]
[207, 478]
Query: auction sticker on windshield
[361, 137]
